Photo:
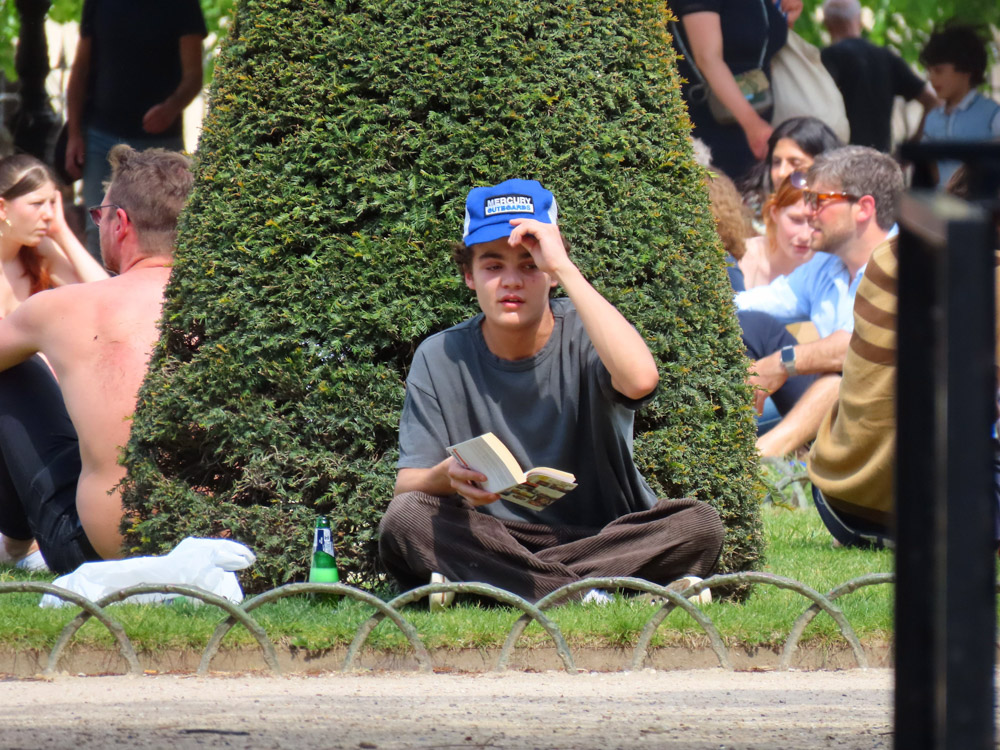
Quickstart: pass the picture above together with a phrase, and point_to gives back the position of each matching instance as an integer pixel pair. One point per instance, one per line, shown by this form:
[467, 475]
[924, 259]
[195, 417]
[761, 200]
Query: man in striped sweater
[852, 459]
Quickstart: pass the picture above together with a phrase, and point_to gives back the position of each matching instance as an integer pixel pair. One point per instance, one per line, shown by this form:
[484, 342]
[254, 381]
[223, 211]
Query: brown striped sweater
[851, 460]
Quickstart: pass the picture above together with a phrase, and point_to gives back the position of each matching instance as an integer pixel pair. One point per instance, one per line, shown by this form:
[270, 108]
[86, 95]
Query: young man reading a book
[558, 382]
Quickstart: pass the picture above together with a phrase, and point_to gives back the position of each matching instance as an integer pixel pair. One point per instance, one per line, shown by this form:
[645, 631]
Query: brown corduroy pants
[421, 534]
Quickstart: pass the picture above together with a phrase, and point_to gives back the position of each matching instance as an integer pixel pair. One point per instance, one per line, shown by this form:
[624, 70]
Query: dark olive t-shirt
[556, 408]
[135, 59]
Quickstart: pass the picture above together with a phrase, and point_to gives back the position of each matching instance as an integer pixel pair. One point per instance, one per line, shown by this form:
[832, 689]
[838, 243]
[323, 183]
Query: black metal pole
[966, 578]
[945, 609]
[36, 125]
[914, 503]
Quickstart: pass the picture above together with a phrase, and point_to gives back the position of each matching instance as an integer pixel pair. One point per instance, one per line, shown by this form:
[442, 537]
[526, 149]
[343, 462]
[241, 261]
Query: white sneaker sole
[702, 597]
[442, 600]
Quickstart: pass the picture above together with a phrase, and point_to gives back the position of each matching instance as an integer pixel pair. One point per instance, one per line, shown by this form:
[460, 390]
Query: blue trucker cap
[488, 210]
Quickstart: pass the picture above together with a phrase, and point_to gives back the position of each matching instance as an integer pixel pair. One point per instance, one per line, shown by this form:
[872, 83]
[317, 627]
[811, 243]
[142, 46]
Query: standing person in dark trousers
[868, 76]
[720, 40]
[558, 381]
[137, 66]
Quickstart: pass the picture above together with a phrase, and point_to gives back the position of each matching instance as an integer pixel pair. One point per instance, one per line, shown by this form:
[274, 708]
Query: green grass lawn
[798, 546]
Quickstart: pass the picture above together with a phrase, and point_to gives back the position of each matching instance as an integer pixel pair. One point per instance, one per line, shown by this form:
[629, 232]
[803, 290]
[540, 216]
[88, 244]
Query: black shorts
[40, 467]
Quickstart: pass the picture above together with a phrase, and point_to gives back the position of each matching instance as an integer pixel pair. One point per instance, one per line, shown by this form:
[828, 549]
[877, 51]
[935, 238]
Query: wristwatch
[788, 360]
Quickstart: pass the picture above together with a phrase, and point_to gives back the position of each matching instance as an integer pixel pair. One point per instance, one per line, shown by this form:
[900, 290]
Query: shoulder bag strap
[690, 58]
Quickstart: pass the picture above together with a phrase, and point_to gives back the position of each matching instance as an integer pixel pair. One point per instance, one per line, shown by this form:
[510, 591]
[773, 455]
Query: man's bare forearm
[618, 344]
[76, 89]
[432, 481]
[802, 422]
[823, 356]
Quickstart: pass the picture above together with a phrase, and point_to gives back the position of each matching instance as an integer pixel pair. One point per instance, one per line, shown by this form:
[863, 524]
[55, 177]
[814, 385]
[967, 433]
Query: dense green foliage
[904, 25]
[313, 258]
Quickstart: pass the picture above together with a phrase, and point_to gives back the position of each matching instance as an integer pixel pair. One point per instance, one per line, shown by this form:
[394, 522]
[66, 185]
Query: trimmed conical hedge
[313, 258]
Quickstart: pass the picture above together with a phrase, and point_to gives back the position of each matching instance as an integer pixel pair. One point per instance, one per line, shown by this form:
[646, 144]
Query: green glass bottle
[324, 560]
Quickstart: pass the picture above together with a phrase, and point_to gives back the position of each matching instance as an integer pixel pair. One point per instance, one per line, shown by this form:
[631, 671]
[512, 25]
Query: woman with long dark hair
[792, 147]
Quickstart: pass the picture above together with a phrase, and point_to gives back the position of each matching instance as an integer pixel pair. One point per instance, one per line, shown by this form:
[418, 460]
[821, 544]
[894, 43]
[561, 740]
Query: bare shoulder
[42, 303]
[54, 301]
[144, 282]
[129, 294]
[755, 245]
[751, 258]
[131, 301]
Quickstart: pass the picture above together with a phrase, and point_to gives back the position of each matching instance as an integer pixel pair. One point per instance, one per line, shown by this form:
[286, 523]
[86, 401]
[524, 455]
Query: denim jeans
[97, 171]
[851, 531]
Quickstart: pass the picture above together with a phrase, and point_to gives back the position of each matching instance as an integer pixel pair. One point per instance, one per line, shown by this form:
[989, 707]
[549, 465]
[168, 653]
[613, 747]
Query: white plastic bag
[205, 563]
[804, 88]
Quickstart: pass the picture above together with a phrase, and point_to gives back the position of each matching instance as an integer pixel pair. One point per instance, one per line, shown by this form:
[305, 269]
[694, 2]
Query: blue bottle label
[324, 542]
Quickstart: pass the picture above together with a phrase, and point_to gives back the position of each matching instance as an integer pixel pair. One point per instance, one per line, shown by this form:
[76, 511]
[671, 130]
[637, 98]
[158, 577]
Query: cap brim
[489, 233]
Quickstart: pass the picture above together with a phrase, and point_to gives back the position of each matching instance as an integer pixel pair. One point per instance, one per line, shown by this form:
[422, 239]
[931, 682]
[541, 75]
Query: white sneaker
[597, 596]
[443, 599]
[682, 584]
[33, 562]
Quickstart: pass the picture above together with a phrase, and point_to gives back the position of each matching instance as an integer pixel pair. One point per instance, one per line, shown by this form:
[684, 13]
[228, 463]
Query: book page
[543, 476]
[541, 488]
[488, 455]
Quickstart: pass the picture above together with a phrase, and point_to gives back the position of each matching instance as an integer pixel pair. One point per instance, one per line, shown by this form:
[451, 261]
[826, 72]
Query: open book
[536, 488]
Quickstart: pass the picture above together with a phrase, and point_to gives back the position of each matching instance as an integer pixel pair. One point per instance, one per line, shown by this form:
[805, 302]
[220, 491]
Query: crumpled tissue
[205, 563]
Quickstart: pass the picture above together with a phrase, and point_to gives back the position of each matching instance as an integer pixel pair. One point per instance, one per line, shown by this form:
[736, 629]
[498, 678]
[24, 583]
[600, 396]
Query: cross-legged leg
[421, 534]
[672, 539]
[40, 467]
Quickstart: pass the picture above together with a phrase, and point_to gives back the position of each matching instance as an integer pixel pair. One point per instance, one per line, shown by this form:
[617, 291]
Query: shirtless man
[59, 441]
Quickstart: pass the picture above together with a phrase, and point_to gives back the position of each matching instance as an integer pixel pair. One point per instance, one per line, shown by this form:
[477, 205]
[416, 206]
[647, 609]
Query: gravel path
[705, 708]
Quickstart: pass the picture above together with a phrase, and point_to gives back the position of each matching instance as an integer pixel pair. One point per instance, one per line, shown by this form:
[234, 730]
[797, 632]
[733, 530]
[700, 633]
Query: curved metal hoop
[531, 611]
[673, 599]
[635, 584]
[89, 608]
[166, 588]
[817, 598]
[800, 624]
[292, 589]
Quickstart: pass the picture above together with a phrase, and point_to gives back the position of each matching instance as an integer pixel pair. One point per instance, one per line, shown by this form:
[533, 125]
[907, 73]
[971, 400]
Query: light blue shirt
[820, 290]
[975, 118]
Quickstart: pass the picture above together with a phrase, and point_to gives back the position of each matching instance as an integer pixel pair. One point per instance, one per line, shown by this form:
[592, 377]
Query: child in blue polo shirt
[955, 57]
